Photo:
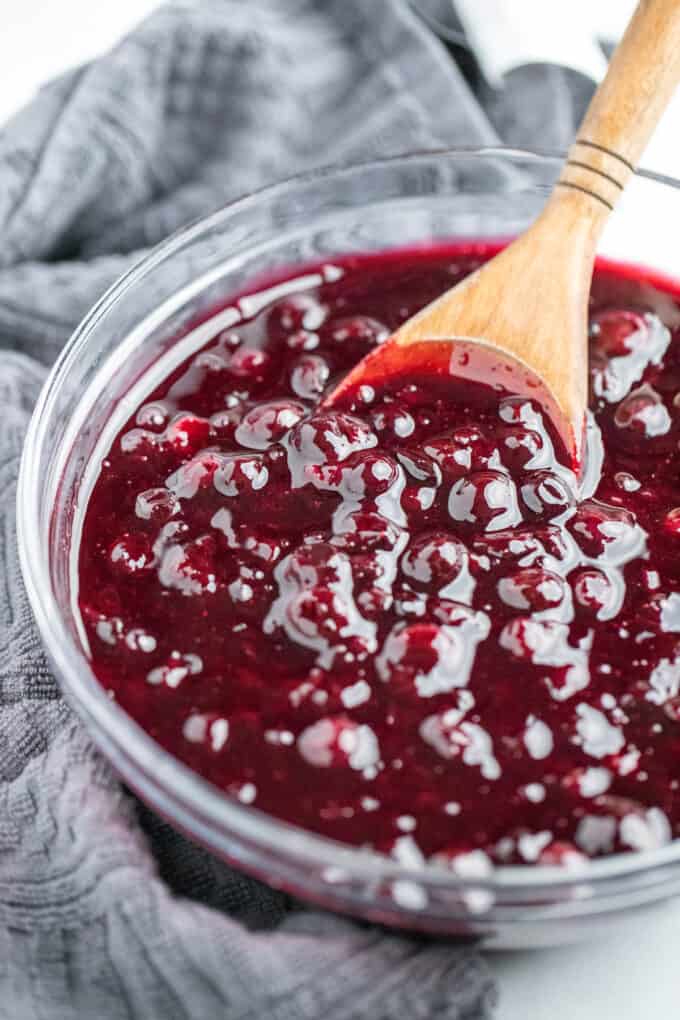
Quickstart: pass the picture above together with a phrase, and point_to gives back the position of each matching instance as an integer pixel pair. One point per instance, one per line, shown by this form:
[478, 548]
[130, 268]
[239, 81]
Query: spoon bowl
[439, 358]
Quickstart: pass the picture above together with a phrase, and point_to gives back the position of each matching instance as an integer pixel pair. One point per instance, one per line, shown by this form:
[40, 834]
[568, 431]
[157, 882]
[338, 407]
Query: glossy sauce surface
[401, 623]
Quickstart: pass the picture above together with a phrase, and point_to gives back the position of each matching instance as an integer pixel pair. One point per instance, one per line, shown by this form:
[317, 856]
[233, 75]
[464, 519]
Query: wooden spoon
[531, 301]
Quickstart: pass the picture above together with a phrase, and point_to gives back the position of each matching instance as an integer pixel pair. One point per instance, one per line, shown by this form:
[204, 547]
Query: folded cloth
[105, 911]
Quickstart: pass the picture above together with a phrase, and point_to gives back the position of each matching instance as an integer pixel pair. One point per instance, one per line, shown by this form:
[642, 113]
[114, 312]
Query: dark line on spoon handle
[585, 191]
[595, 170]
[609, 152]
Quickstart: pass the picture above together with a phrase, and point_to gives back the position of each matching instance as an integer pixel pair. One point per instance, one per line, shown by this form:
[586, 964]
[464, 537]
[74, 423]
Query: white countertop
[633, 975]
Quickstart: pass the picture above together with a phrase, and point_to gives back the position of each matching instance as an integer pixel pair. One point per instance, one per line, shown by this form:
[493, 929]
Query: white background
[634, 975]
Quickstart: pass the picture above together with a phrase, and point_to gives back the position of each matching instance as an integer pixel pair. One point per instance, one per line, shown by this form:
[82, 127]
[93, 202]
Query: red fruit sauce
[400, 623]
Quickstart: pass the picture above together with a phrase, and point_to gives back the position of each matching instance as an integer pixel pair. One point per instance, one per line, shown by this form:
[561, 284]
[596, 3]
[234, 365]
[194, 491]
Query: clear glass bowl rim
[185, 787]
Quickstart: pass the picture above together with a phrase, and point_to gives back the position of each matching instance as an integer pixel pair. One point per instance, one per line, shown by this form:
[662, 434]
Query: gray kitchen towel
[106, 912]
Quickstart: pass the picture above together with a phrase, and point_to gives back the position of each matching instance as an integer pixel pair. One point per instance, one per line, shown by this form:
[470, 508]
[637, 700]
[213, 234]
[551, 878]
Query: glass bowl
[141, 328]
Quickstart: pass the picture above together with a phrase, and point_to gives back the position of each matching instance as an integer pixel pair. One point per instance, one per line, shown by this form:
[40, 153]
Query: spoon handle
[642, 77]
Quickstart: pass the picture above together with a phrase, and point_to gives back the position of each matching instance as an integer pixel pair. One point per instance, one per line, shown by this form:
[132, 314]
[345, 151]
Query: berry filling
[403, 623]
